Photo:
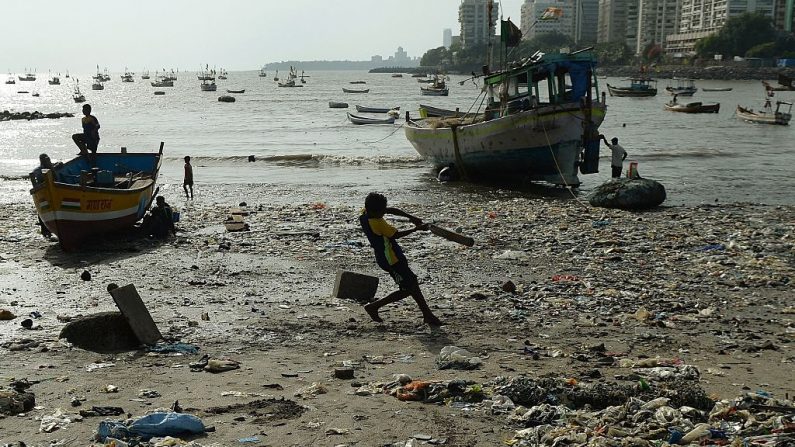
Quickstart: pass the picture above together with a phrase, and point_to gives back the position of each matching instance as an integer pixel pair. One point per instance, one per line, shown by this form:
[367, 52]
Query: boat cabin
[542, 80]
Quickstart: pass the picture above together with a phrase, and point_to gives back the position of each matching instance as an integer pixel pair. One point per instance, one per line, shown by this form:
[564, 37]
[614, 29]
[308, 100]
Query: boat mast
[490, 8]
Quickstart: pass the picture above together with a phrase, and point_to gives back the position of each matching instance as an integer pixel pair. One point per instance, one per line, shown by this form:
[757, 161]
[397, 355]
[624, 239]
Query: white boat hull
[542, 144]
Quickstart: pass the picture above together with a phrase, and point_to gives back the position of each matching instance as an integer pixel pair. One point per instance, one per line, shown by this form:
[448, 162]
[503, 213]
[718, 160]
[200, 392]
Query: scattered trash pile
[651, 411]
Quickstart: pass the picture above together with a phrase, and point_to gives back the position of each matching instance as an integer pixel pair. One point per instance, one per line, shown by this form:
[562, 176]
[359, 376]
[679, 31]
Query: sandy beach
[552, 289]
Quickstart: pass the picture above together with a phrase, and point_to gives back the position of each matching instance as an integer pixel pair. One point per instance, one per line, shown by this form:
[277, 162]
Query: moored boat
[767, 115]
[262, 72]
[358, 82]
[438, 87]
[520, 135]
[127, 76]
[10, 80]
[28, 77]
[352, 90]
[431, 111]
[54, 80]
[691, 107]
[337, 105]
[77, 201]
[363, 109]
[716, 89]
[356, 119]
[162, 81]
[145, 75]
[683, 87]
[97, 85]
[236, 91]
[78, 96]
[208, 86]
[289, 83]
[638, 88]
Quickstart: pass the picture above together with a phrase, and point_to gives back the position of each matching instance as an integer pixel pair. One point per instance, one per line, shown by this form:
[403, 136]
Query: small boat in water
[716, 89]
[639, 87]
[289, 83]
[145, 75]
[691, 107]
[54, 80]
[29, 77]
[10, 80]
[97, 85]
[226, 98]
[208, 86]
[355, 119]
[223, 74]
[351, 90]
[77, 201]
[785, 83]
[127, 76]
[397, 75]
[337, 105]
[358, 82]
[363, 109]
[78, 96]
[236, 91]
[159, 93]
[683, 87]
[162, 81]
[262, 72]
[438, 87]
[767, 115]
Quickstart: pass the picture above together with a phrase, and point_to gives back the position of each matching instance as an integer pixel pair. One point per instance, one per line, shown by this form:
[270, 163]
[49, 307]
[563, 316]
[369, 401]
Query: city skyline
[243, 34]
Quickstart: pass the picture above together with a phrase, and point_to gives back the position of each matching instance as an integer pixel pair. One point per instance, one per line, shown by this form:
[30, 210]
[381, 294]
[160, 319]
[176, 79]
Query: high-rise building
[656, 20]
[478, 19]
[784, 17]
[618, 22]
[701, 18]
[533, 10]
[447, 38]
[586, 20]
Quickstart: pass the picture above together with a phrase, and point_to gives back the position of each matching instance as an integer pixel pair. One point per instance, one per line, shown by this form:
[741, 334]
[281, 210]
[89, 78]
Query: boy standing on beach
[389, 256]
[188, 181]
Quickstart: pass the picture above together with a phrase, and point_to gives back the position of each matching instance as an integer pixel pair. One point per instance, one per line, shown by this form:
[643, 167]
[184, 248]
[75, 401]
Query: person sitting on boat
[618, 156]
[160, 220]
[89, 139]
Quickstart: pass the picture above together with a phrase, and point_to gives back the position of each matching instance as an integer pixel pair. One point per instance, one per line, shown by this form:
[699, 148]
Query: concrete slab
[133, 308]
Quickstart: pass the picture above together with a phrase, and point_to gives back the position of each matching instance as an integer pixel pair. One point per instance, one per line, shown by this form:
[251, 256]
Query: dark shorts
[187, 183]
[403, 276]
[616, 171]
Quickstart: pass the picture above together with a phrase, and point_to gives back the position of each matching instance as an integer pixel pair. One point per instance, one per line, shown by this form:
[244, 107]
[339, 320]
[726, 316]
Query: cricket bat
[452, 236]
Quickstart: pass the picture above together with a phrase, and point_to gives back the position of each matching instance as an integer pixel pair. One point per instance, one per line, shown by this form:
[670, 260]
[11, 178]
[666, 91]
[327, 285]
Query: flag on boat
[510, 35]
[552, 13]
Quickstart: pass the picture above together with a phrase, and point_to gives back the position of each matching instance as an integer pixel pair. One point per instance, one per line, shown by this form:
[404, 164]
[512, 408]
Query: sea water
[298, 141]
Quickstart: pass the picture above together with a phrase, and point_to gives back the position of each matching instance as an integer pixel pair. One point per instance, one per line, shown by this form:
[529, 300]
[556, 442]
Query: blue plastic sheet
[166, 424]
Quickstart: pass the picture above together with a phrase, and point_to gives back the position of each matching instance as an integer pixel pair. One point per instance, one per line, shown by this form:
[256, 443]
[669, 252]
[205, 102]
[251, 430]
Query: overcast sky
[235, 34]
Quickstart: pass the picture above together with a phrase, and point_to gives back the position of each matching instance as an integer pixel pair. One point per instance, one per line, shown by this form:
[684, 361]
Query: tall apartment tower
[476, 28]
[447, 38]
[657, 19]
[532, 10]
[586, 20]
[618, 22]
[700, 18]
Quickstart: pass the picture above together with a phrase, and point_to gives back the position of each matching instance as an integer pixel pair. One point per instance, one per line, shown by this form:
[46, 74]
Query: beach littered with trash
[565, 325]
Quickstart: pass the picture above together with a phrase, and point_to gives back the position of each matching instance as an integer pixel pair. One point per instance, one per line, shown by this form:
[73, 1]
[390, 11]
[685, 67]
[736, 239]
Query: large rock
[103, 332]
[628, 194]
[15, 401]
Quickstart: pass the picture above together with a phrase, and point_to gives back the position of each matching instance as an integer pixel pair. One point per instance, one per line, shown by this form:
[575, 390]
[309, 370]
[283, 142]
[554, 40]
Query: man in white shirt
[618, 156]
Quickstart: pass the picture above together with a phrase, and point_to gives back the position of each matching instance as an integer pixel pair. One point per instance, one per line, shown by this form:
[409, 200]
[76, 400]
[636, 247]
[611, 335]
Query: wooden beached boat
[767, 115]
[519, 136]
[363, 109]
[351, 90]
[683, 87]
[431, 111]
[76, 201]
[355, 119]
[337, 105]
[638, 88]
[692, 107]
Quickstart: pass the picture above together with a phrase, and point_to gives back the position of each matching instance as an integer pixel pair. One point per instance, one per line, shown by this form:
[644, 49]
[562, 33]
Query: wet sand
[715, 280]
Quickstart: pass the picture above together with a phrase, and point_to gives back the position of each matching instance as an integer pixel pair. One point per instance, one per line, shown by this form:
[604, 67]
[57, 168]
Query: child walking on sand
[188, 181]
[389, 256]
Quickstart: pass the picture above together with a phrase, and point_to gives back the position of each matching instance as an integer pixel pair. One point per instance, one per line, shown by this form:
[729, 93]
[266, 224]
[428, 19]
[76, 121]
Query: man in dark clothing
[160, 220]
[89, 139]
[389, 256]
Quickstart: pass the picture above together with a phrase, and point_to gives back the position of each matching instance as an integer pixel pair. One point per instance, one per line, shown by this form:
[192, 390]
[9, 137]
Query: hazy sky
[235, 34]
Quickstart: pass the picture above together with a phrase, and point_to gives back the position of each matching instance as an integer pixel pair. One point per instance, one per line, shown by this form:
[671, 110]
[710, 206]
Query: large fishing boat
[541, 123]
[76, 200]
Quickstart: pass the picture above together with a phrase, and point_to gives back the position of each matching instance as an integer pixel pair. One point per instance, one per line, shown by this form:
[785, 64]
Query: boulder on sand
[103, 332]
[628, 194]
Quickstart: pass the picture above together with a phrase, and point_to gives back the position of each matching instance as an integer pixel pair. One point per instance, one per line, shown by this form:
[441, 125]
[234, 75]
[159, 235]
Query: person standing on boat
[618, 156]
[188, 181]
[389, 256]
[89, 139]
